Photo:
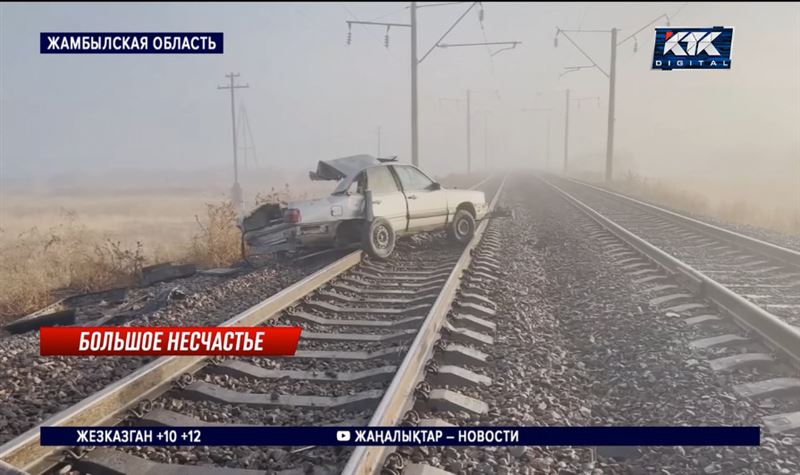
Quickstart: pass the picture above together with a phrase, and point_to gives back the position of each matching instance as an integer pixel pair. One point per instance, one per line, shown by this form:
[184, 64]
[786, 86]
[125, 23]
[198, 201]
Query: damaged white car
[375, 201]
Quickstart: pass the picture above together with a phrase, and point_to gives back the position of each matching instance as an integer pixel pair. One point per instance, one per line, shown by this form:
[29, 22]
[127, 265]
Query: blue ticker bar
[401, 436]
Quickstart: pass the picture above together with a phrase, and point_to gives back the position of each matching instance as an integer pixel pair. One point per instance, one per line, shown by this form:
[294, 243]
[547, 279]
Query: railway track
[369, 331]
[710, 277]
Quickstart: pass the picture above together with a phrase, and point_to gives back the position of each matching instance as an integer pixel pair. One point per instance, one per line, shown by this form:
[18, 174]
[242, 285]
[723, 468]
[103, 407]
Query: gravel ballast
[36, 387]
[578, 343]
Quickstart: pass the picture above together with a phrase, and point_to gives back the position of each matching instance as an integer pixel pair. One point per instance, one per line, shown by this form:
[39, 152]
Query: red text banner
[168, 341]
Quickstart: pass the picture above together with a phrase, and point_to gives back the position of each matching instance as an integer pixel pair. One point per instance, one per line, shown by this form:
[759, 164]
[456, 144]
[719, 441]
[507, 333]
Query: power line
[236, 189]
[453, 45]
[611, 75]
[448, 31]
[357, 21]
[412, 25]
[485, 39]
[390, 14]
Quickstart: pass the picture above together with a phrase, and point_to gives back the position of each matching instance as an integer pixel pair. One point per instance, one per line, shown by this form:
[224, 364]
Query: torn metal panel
[342, 167]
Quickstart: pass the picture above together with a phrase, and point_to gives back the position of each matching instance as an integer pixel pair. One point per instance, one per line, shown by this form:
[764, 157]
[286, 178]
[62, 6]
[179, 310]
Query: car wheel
[462, 227]
[379, 238]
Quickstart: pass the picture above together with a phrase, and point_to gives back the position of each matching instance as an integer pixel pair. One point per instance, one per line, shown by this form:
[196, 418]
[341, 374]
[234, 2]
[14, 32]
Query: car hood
[342, 167]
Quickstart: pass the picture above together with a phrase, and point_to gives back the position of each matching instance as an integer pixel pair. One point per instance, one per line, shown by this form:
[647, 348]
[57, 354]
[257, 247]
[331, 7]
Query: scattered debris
[220, 271]
[103, 297]
[167, 271]
[56, 314]
[177, 293]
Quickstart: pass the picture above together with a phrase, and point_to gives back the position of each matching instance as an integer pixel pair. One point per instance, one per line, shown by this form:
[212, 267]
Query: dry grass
[218, 242]
[54, 245]
[734, 204]
[281, 196]
[65, 256]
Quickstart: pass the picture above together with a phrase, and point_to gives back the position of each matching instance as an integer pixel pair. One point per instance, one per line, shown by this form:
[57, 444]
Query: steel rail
[778, 334]
[752, 244]
[108, 405]
[104, 406]
[397, 399]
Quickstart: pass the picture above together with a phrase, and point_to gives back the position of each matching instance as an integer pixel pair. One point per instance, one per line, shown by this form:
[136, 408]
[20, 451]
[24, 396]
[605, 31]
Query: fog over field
[97, 123]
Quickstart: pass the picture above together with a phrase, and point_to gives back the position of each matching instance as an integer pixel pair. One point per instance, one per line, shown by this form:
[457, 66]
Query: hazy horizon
[312, 97]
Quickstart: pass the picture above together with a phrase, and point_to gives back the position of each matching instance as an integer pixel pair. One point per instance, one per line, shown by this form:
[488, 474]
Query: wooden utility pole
[236, 190]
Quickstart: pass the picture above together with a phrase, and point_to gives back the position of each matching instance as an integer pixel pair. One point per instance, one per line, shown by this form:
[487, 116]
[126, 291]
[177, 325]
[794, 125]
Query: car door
[388, 200]
[427, 202]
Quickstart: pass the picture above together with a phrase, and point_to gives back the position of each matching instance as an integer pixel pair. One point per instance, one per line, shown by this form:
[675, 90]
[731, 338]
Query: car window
[413, 179]
[380, 180]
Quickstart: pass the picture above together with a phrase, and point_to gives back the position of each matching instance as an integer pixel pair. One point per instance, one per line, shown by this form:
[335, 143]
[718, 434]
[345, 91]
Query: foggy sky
[311, 97]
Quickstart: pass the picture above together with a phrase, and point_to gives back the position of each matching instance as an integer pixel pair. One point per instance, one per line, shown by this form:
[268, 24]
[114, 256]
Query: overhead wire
[353, 15]
[485, 39]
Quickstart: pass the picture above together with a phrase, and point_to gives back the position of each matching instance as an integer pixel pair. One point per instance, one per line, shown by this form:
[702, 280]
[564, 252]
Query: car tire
[462, 228]
[378, 238]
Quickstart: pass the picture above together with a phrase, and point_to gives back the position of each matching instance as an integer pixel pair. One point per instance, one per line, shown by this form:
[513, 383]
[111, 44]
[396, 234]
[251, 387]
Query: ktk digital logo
[693, 48]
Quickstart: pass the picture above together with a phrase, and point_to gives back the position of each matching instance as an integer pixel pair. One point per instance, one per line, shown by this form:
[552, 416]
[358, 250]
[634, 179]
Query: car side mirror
[436, 186]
